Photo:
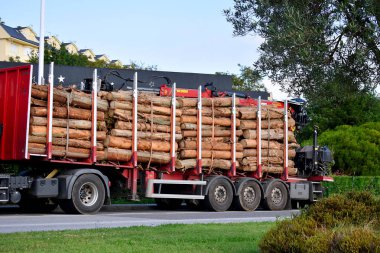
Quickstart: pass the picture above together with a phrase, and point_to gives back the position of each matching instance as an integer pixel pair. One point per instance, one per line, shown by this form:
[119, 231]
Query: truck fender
[212, 178]
[269, 182]
[241, 182]
[67, 179]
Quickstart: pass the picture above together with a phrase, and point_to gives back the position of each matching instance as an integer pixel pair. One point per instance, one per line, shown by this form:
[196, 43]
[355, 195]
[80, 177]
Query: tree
[307, 42]
[328, 51]
[248, 79]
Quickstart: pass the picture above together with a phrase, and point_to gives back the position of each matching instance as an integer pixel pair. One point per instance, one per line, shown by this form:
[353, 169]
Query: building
[117, 63]
[102, 57]
[17, 43]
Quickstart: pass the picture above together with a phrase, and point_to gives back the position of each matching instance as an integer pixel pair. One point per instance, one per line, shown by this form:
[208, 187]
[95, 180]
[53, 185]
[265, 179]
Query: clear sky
[182, 36]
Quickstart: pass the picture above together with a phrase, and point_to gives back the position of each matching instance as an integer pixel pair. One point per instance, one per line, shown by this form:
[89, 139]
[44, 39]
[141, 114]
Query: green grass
[231, 237]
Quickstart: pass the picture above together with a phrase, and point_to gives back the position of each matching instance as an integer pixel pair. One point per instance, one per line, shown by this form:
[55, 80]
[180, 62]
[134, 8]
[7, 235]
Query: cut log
[61, 112]
[143, 108]
[206, 163]
[272, 152]
[192, 145]
[217, 101]
[62, 142]
[123, 125]
[122, 155]
[60, 151]
[145, 135]
[251, 113]
[185, 154]
[275, 123]
[143, 98]
[208, 133]
[265, 160]
[62, 132]
[77, 98]
[73, 123]
[38, 102]
[144, 145]
[207, 111]
[209, 120]
[272, 134]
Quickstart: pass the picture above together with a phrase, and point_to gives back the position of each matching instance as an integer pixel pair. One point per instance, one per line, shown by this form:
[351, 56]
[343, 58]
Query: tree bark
[144, 145]
[61, 112]
[73, 123]
[185, 154]
[143, 126]
[145, 135]
[192, 145]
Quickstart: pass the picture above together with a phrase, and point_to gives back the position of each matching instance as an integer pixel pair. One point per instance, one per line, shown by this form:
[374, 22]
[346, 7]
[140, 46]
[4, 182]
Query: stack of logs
[72, 130]
[71, 123]
[153, 128]
[272, 140]
[216, 134]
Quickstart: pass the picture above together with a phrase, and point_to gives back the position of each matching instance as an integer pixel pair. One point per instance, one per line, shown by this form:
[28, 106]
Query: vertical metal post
[94, 115]
[49, 140]
[173, 127]
[286, 146]
[233, 136]
[28, 113]
[258, 139]
[199, 132]
[41, 49]
[134, 139]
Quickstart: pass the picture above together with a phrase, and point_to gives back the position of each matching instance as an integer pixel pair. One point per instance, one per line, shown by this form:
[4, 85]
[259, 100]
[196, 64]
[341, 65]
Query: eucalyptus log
[208, 111]
[73, 123]
[212, 145]
[265, 160]
[217, 101]
[269, 169]
[76, 98]
[62, 132]
[272, 134]
[122, 155]
[185, 154]
[206, 163]
[251, 113]
[208, 133]
[62, 142]
[272, 152]
[61, 112]
[144, 145]
[275, 123]
[60, 151]
[143, 98]
[144, 108]
[38, 102]
[144, 126]
[209, 120]
[145, 135]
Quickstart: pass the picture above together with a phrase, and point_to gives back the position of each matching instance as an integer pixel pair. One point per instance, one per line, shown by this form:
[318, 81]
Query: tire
[87, 196]
[219, 196]
[277, 196]
[35, 205]
[249, 196]
[168, 204]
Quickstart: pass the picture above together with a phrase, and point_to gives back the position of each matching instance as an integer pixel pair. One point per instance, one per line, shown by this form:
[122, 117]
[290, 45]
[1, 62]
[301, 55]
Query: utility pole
[41, 50]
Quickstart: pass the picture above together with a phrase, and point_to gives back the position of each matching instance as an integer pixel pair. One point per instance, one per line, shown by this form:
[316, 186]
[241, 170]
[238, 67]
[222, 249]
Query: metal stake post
[285, 173]
[233, 136]
[94, 114]
[258, 139]
[49, 145]
[199, 132]
[173, 126]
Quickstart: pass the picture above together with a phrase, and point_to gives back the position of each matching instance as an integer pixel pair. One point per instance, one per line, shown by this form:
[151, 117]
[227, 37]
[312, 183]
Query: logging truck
[72, 147]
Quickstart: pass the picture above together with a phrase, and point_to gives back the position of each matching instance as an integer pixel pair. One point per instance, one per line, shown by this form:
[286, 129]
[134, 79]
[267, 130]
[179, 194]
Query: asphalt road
[126, 216]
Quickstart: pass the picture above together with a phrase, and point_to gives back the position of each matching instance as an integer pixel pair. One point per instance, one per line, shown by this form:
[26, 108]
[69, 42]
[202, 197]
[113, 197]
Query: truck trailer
[51, 171]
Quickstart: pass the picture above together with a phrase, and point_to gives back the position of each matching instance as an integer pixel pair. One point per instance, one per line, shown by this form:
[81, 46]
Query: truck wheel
[168, 204]
[87, 196]
[277, 197]
[219, 196]
[249, 196]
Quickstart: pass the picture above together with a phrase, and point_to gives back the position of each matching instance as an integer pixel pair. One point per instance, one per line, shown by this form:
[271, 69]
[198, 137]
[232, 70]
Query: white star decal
[61, 79]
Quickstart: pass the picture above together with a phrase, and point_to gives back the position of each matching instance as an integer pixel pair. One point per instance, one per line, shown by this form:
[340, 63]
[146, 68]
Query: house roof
[115, 61]
[84, 50]
[16, 34]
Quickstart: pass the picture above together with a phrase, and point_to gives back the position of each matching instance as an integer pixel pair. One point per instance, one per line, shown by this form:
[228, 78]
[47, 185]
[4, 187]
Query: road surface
[122, 216]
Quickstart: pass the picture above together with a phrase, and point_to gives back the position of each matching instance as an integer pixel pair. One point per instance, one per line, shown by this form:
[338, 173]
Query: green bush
[341, 223]
[356, 149]
[344, 184]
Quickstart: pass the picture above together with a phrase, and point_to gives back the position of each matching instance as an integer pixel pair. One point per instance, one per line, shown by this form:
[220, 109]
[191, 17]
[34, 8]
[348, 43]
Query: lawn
[231, 237]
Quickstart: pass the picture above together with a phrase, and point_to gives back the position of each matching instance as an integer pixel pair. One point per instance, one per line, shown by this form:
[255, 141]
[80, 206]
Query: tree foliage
[248, 79]
[308, 42]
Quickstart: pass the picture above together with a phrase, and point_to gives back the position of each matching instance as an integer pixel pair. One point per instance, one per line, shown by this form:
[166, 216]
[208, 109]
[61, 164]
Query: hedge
[343, 184]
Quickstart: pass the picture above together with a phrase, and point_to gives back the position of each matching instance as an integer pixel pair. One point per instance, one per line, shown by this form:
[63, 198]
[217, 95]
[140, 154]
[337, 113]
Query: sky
[181, 36]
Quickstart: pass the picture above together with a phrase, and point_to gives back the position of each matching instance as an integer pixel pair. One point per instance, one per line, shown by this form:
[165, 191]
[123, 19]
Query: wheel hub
[88, 194]
[220, 193]
[249, 195]
[276, 196]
